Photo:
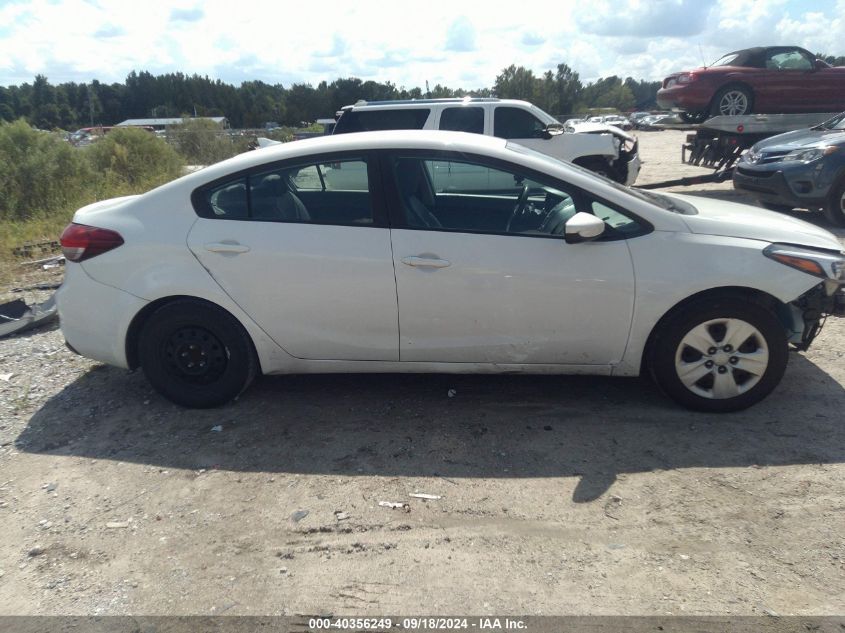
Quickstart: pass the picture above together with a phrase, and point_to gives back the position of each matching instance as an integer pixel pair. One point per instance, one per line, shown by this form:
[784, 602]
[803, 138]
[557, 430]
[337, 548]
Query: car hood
[800, 139]
[729, 219]
[600, 128]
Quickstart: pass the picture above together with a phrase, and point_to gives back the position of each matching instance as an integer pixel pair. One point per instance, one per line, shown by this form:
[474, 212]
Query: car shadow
[451, 426]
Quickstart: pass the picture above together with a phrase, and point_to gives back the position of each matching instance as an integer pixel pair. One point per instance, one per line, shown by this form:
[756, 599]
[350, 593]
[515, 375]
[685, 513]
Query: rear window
[372, 120]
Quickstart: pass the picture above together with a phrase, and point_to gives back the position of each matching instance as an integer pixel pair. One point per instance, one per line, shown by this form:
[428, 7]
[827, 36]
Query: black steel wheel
[196, 354]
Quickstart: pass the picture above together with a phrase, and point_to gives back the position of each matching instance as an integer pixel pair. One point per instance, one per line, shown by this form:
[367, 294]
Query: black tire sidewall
[673, 331]
[833, 209]
[240, 367]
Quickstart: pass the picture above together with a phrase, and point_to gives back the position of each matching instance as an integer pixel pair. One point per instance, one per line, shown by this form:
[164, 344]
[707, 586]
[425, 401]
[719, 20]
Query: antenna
[700, 52]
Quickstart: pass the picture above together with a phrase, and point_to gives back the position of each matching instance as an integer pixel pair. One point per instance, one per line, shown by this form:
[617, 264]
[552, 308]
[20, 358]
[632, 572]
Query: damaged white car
[604, 149]
[418, 251]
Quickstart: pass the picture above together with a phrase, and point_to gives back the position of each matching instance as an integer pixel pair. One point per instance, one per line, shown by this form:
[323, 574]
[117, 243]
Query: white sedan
[415, 251]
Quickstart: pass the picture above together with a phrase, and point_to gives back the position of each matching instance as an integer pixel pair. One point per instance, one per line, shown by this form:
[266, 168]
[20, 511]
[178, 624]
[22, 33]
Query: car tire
[834, 209]
[780, 208]
[196, 354]
[744, 360]
[732, 101]
[693, 117]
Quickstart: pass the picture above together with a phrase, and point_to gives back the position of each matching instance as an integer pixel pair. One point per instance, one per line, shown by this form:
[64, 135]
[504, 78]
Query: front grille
[754, 174]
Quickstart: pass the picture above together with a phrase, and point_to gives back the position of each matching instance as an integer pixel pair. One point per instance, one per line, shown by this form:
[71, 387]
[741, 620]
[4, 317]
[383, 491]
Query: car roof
[354, 141]
[415, 103]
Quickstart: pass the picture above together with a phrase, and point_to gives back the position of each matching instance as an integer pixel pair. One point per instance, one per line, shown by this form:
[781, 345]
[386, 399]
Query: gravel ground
[558, 495]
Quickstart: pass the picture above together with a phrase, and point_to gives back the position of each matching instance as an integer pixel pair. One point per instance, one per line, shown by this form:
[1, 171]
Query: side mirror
[583, 227]
[552, 129]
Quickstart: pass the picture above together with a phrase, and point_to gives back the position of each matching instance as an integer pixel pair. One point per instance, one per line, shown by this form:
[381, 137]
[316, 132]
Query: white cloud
[406, 43]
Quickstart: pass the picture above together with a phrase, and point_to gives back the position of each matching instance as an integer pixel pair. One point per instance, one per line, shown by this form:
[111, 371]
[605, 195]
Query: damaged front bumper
[809, 311]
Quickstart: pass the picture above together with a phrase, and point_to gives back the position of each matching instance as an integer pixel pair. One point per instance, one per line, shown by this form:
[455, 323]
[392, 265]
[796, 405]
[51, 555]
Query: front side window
[327, 192]
[463, 119]
[788, 60]
[465, 195]
[516, 123]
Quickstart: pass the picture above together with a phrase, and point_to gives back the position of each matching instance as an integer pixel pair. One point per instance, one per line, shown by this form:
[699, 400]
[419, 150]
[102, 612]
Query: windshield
[659, 200]
[727, 60]
[836, 123]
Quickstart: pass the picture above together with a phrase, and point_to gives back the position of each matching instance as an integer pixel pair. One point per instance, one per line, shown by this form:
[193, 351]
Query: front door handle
[425, 262]
[226, 247]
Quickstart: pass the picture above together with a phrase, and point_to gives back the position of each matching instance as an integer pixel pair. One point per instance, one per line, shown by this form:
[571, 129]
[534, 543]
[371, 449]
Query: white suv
[604, 149]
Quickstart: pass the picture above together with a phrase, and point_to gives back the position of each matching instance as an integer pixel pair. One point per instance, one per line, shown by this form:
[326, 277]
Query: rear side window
[463, 119]
[228, 201]
[373, 120]
[332, 191]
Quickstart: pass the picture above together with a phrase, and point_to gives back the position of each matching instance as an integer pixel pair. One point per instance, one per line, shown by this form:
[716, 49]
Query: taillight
[81, 242]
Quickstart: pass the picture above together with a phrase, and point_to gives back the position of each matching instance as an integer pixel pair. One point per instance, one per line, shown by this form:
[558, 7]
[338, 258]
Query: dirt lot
[559, 495]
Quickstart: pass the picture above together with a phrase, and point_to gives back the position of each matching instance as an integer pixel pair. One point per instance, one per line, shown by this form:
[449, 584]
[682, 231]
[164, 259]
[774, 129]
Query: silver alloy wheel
[733, 102]
[721, 358]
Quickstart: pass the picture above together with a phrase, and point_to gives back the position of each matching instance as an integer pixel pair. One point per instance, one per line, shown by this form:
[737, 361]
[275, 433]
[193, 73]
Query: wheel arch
[760, 297]
[133, 333]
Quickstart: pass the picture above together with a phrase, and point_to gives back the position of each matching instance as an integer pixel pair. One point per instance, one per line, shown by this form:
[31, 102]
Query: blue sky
[458, 44]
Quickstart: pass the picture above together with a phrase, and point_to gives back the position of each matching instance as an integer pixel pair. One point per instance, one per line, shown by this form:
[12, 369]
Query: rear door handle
[425, 262]
[226, 247]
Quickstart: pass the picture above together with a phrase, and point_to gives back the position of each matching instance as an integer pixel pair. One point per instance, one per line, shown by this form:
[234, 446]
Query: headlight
[824, 264]
[809, 155]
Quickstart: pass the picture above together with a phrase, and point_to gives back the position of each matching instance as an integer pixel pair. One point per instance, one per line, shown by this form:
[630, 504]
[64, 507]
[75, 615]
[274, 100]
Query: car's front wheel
[196, 354]
[720, 355]
[834, 210]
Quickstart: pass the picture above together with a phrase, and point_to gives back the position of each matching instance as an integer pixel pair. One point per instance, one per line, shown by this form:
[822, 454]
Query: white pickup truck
[604, 149]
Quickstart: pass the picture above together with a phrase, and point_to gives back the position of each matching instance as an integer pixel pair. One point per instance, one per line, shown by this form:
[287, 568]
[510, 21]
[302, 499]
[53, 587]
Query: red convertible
[775, 79]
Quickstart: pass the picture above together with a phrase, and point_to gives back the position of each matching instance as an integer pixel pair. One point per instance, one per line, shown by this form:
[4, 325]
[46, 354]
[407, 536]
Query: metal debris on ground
[422, 495]
[217, 428]
[395, 505]
[16, 316]
[340, 515]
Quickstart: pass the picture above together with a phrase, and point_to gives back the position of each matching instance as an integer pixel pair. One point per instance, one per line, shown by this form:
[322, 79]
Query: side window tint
[463, 119]
[323, 193]
[372, 120]
[228, 201]
[619, 222]
[513, 123]
[472, 197]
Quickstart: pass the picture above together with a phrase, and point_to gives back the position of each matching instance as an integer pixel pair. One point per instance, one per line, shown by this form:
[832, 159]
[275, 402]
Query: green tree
[131, 160]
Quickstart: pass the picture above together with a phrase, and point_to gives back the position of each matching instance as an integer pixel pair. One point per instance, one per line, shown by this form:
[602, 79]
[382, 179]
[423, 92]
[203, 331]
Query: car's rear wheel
[834, 210]
[720, 355]
[693, 117]
[196, 354]
[733, 101]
